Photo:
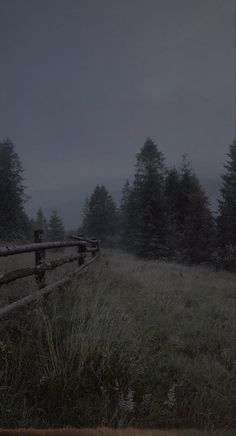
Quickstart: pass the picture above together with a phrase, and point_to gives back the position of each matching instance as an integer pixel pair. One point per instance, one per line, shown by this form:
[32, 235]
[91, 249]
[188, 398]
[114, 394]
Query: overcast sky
[84, 82]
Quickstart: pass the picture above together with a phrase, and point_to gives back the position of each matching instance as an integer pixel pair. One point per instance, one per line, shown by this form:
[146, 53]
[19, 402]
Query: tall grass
[113, 432]
[132, 343]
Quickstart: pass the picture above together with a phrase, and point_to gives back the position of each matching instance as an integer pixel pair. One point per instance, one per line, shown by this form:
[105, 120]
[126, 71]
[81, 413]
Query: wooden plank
[44, 291]
[81, 238]
[29, 271]
[94, 245]
[40, 256]
[28, 248]
[82, 255]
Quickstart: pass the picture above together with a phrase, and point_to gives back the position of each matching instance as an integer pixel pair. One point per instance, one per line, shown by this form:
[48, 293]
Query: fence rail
[84, 246]
[29, 248]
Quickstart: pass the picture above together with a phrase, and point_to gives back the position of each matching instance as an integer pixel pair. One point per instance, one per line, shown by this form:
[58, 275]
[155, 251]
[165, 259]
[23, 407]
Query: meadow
[113, 432]
[132, 343]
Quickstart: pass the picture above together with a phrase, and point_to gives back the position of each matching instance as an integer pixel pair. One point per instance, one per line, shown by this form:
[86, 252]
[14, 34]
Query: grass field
[132, 343]
[114, 432]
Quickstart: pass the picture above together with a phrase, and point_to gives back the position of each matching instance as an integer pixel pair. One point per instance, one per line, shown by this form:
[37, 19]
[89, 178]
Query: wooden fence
[83, 246]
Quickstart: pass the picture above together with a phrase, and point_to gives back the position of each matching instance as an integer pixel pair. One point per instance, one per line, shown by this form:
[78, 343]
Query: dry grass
[133, 343]
[112, 432]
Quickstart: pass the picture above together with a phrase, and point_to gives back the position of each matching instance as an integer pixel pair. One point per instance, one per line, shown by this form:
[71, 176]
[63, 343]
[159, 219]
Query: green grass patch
[132, 343]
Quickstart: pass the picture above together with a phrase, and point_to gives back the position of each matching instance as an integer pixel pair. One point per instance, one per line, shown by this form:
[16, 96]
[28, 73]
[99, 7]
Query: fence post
[82, 253]
[39, 259]
[94, 245]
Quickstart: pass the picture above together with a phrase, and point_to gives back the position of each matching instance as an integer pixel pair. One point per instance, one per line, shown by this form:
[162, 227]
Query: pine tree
[28, 228]
[41, 223]
[33, 227]
[149, 220]
[195, 219]
[124, 221]
[56, 227]
[227, 203]
[100, 216]
[172, 202]
[12, 195]
[226, 222]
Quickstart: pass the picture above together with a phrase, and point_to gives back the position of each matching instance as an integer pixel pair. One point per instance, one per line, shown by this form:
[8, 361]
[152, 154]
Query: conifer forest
[117, 218]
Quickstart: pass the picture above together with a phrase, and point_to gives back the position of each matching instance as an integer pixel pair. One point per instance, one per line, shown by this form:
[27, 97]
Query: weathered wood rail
[84, 247]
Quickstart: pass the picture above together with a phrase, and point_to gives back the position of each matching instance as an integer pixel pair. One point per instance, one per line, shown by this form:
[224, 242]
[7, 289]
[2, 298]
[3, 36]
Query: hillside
[132, 343]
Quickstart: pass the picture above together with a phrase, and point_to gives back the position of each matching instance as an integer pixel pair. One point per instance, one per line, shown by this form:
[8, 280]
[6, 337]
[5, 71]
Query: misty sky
[84, 82]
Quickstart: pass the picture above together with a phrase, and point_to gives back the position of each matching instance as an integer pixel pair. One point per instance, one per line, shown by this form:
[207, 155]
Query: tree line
[164, 212]
[15, 225]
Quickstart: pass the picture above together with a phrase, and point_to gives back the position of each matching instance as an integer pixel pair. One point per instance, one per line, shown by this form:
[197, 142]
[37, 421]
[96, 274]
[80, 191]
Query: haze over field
[84, 82]
[117, 217]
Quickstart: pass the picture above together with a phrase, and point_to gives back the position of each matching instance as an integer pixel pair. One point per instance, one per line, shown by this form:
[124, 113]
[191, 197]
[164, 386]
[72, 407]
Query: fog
[84, 82]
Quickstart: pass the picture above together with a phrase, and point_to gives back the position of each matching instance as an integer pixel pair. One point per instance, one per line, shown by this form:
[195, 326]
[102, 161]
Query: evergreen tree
[173, 218]
[28, 228]
[56, 227]
[227, 203]
[100, 216]
[195, 219]
[12, 196]
[147, 202]
[33, 227]
[124, 218]
[85, 213]
[41, 223]
[226, 222]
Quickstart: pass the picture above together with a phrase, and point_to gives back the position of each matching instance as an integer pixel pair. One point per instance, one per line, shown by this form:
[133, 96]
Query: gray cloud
[84, 82]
